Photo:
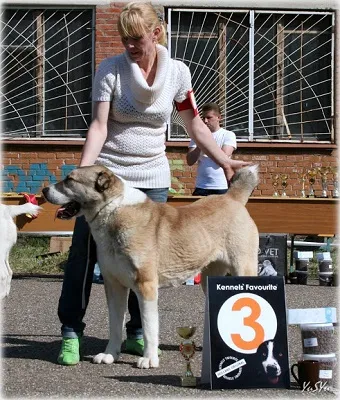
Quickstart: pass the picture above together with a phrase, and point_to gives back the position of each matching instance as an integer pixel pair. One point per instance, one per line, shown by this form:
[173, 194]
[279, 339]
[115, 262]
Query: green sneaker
[136, 347]
[70, 351]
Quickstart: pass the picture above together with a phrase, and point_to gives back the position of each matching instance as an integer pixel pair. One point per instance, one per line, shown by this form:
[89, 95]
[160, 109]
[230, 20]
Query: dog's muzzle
[66, 211]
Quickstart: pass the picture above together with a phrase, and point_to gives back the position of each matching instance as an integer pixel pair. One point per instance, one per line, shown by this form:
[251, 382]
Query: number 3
[249, 321]
[246, 320]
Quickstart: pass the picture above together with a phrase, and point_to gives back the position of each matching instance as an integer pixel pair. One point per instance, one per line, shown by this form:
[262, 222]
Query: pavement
[31, 341]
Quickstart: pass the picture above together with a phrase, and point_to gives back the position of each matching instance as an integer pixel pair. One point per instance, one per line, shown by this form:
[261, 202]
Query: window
[270, 72]
[47, 72]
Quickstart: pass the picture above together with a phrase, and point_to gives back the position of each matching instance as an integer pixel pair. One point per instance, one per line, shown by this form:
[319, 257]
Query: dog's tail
[243, 183]
[27, 208]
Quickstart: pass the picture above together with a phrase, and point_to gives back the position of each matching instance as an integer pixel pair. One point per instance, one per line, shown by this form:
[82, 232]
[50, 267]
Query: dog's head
[85, 188]
[269, 360]
[267, 269]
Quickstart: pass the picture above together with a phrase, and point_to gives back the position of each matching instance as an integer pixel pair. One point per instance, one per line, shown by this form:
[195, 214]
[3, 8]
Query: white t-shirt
[209, 174]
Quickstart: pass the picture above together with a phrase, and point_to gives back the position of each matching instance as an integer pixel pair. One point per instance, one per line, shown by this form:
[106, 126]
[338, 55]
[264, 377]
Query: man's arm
[228, 150]
[198, 131]
[193, 155]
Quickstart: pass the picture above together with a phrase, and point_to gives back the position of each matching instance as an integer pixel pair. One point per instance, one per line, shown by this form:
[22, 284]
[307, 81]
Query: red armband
[188, 104]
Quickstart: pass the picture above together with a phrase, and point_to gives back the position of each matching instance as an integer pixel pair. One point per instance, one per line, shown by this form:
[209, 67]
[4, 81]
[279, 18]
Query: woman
[133, 96]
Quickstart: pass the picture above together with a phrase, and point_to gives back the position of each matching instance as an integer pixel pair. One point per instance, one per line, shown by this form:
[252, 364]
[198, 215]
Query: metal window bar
[251, 75]
[288, 99]
[36, 39]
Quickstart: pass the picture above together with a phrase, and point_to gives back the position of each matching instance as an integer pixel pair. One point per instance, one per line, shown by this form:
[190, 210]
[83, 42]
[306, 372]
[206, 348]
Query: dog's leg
[148, 304]
[216, 268]
[245, 265]
[5, 278]
[116, 296]
[9, 276]
[245, 261]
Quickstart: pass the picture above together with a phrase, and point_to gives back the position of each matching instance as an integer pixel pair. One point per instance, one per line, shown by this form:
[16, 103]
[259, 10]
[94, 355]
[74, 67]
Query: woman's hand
[233, 165]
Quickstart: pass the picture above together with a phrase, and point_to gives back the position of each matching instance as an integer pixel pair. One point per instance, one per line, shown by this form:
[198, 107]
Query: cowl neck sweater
[140, 89]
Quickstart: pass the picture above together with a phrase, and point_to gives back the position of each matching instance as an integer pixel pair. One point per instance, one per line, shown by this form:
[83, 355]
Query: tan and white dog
[142, 245]
[8, 238]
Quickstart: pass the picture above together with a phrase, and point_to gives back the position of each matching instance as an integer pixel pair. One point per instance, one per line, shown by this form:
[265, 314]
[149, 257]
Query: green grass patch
[27, 257]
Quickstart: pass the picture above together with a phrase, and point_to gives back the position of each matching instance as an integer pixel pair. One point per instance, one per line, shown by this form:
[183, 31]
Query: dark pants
[78, 278]
[207, 192]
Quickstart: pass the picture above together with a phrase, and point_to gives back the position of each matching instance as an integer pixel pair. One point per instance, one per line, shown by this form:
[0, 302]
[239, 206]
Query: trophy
[284, 178]
[334, 171]
[311, 177]
[302, 177]
[323, 171]
[275, 183]
[187, 349]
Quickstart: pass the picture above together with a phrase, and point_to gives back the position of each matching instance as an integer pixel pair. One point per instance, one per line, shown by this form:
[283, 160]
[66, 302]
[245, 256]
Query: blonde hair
[138, 19]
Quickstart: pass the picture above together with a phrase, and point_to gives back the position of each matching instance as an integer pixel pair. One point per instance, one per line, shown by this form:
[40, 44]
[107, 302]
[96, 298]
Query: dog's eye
[280, 354]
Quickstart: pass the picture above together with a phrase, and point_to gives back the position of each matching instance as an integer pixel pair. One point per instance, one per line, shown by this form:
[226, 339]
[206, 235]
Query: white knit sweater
[135, 144]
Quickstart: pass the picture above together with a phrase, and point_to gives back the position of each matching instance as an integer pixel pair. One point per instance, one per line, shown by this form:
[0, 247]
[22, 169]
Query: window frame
[55, 6]
[252, 12]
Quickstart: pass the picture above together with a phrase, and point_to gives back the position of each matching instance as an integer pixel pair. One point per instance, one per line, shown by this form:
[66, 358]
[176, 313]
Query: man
[210, 177]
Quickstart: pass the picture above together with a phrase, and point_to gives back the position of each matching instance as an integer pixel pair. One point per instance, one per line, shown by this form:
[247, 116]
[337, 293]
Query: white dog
[8, 238]
[142, 245]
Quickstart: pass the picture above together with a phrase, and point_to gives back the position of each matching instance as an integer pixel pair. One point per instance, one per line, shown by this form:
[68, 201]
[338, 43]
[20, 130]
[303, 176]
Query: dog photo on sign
[267, 361]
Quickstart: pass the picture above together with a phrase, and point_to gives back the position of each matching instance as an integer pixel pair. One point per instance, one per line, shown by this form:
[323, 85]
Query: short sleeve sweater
[135, 145]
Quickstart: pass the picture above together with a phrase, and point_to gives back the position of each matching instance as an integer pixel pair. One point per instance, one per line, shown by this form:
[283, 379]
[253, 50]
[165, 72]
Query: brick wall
[27, 168]
[108, 41]
[271, 161]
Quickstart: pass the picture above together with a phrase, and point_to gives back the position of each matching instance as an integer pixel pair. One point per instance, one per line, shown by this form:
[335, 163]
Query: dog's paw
[5, 283]
[145, 362]
[33, 209]
[104, 358]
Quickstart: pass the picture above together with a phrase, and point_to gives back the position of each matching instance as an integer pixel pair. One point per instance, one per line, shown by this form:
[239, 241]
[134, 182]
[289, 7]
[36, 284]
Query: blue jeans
[78, 276]
[207, 192]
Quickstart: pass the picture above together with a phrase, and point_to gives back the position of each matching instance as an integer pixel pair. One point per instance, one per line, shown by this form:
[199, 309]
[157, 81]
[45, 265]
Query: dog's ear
[103, 182]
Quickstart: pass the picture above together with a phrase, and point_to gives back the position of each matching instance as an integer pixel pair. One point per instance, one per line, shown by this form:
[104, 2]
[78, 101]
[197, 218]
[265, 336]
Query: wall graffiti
[17, 180]
[177, 187]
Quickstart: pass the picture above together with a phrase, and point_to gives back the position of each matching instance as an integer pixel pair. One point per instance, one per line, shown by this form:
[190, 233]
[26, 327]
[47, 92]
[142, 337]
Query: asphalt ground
[31, 341]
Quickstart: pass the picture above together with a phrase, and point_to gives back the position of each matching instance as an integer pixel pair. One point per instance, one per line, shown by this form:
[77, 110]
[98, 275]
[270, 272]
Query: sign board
[272, 255]
[245, 333]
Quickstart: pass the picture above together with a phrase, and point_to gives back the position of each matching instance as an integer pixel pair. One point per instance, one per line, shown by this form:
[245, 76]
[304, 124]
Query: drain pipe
[301, 243]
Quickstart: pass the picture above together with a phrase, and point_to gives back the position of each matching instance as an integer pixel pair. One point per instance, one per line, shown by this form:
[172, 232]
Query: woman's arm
[194, 153]
[201, 134]
[97, 133]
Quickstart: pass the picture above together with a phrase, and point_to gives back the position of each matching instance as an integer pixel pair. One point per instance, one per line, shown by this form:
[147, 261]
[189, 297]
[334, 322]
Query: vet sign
[272, 255]
[245, 333]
